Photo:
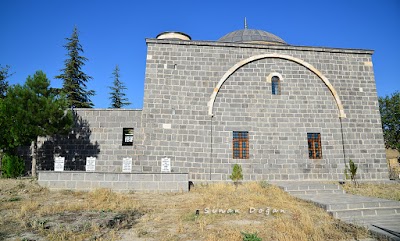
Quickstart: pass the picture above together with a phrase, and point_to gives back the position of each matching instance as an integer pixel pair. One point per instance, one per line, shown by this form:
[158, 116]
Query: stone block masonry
[123, 182]
[197, 93]
[97, 133]
[181, 76]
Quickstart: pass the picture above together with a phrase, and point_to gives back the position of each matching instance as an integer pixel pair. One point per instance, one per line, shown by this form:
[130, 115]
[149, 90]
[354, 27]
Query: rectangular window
[127, 137]
[240, 145]
[314, 145]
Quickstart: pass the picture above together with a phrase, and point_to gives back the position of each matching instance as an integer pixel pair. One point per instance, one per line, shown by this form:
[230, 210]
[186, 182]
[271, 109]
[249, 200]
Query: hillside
[30, 212]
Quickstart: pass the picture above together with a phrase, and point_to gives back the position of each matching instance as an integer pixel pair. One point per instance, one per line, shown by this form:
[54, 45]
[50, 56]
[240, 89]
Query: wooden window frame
[240, 145]
[314, 145]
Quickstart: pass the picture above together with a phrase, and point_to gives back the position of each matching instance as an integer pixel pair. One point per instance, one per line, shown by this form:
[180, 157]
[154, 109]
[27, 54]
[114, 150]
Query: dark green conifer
[117, 95]
[74, 79]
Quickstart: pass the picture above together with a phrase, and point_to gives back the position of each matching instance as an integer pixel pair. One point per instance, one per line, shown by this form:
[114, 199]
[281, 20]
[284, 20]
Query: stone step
[387, 227]
[341, 202]
[365, 212]
[362, 205]
[300, 193]
[389, 221]
[308, 186]
[380, 216]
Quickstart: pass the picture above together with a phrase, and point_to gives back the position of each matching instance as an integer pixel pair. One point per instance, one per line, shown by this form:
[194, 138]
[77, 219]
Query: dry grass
[391, 153]
[386, 191]
[30, 211]
[176, 220]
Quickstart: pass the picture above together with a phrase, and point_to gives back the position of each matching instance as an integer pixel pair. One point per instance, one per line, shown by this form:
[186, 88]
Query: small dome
[174, 36]
[252, 36]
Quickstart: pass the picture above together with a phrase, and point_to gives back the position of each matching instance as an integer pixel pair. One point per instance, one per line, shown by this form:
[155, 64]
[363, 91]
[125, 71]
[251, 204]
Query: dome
[252, 36]
[174, 36]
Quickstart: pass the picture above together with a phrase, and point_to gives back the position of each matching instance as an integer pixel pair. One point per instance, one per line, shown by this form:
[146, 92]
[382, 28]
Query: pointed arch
[279, 56]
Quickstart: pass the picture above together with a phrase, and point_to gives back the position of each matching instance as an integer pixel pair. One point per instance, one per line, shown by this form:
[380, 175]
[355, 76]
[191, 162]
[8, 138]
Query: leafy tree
[74, 79]
[12, 166]
[390, 115]
[117, 95]
[4, 74]
[30, 111]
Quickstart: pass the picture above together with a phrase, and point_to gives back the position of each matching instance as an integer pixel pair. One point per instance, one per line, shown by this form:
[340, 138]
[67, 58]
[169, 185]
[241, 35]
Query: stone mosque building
[283, 112]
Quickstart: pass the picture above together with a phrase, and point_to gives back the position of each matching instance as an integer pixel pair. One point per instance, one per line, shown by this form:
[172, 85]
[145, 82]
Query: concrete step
[346, 205]
[385, 227]
[389, 221]
[380, 216]
[300, 193]
[363, 205]
[365, 212]
[307, 186]
[310, 188]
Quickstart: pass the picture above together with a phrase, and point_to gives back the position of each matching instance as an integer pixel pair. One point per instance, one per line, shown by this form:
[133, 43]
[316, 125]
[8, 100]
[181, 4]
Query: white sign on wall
[59, 163]
[127, 164]
[166, 126]
[165, 164]
[90, 164]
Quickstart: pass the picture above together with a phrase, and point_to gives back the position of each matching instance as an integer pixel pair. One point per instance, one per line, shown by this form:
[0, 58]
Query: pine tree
[117, 95]
[74, 80]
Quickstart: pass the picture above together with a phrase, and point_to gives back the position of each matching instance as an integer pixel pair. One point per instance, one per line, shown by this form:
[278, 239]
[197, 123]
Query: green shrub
[12, 166]
[250, 237]
[236, 175]
[350, 171]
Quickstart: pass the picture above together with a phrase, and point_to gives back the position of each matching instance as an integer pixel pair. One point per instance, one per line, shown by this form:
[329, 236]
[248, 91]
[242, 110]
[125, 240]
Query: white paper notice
[59, 164]
[127, 164]
[90, 164]
[165, 164]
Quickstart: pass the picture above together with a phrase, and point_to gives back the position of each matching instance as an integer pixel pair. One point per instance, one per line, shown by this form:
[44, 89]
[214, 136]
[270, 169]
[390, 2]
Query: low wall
[143, 182]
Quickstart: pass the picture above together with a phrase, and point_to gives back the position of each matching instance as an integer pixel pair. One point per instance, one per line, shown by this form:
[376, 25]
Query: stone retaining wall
[86, 181]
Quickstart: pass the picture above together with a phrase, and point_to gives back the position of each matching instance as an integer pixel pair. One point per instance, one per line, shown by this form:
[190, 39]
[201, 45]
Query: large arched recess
[280, 56]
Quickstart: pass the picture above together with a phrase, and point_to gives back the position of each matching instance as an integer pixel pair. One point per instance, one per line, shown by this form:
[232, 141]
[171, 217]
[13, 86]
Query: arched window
[276, 85]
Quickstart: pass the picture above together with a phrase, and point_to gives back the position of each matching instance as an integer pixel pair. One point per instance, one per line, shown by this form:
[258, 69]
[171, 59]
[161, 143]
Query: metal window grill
[240, 145]
[127, 136]
[314, 145]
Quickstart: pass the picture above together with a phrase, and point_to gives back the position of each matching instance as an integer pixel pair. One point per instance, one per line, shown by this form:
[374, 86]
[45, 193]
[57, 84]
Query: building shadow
[75, 147]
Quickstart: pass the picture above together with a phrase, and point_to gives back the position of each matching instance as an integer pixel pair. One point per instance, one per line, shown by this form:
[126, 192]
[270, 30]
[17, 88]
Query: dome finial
[245, 23]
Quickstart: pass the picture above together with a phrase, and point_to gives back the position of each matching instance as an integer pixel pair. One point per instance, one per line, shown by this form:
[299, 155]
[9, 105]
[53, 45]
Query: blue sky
[113, 32]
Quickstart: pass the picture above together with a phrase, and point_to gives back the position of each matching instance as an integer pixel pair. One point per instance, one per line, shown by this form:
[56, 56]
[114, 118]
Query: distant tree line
[35, 109]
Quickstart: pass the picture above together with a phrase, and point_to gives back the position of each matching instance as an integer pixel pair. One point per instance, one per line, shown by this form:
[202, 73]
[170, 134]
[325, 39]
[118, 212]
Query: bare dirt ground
[209, 212]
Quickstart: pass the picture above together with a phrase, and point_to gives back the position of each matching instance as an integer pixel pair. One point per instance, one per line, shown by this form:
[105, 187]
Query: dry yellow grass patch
[28, 209]
[386, 191]
[176, 219]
